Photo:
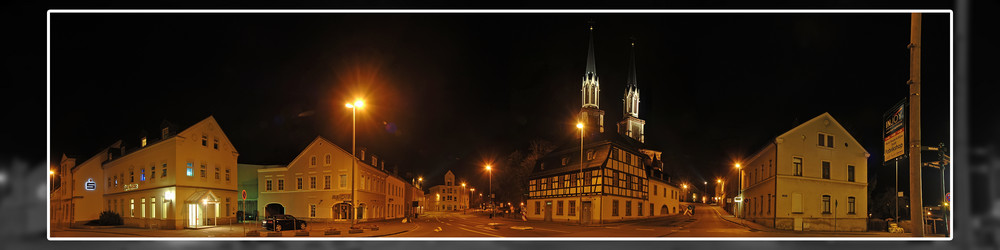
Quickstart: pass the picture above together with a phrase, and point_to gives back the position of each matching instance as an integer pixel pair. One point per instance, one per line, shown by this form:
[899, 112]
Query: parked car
[281, 222]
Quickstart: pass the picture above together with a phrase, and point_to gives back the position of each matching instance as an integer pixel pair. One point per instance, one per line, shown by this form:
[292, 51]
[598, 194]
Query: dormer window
[362, 154]
[143, 141]
[164, 132]
[565, 160]
[590, 155]
[374, 161]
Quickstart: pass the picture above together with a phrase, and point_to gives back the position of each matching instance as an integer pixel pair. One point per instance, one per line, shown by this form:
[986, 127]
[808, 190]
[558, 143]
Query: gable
[210, 127]
[829, 124]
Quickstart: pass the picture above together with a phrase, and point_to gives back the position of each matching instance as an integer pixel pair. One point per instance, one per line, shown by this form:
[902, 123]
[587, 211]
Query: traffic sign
[244, 194]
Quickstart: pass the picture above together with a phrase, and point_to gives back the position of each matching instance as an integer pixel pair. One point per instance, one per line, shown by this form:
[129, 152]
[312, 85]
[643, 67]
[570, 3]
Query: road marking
[553, 230]
[645, 229]
[612, 227]
[446, 223]
[494, 235]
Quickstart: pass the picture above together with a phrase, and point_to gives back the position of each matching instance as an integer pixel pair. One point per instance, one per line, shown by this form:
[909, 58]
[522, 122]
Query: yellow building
[812, 178]
[186, 179]
[316, 185]
[448, 197]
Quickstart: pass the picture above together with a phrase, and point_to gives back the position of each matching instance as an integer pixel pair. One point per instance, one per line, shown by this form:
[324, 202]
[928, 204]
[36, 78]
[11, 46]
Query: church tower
[631, 126]
[590, 113]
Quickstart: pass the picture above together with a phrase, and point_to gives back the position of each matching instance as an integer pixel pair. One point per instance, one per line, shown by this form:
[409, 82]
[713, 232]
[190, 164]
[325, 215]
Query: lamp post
[492, 209]
[740, 187]
[685, 186]
[471, 190]
[460, 202]
[580, 192]
[354, 122]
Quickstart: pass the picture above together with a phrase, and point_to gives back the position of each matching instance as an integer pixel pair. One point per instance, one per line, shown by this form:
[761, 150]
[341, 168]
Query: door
[194, 215]
[585, 212]
[548, 210]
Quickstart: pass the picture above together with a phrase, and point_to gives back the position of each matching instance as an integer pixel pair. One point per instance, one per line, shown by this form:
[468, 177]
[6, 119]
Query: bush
[109, 218]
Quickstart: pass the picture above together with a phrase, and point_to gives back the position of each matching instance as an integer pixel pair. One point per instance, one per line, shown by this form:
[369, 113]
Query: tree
[519, 165]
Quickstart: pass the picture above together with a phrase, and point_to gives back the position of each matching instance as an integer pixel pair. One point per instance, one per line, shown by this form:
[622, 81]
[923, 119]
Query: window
[565, 160]
[590, 155]
[850, 205]
[826, 170]
[164, 132]
[215, 145]
[655, 188]
[267, 185]
[152, 172]
[768, 203]
[131, 209]
[828, 142]
[559, 208]
[374, 161]
[227, 174]
[142, 206]
[850, 173]
[312, 161]
[572, 208]
[326, 182]
[281, 184]
[143, 142]
[131, 175]
[538, 207]
[826, 204]
[343, 180]
[116, 181]
[312, 210]
[164, 170]
[204, 140]
[327, 159]
[628, 208]
[312, 182]
[204, 171]
[797, 163]
[298, 183]
[216, 173]
[614, 208]
[639, 210]
[152, 207]
[142, 174]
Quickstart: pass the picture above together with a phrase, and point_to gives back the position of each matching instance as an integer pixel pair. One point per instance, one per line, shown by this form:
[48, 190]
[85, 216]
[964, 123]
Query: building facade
[811, 178]
[186, 179]
[603, 177]
[451, 196]
[317, 185]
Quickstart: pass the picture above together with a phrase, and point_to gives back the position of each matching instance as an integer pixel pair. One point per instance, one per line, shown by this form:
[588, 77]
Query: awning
[204, 196]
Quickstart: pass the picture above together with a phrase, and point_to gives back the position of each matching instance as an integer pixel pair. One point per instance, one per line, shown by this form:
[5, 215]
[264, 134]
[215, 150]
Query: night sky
[452, 91]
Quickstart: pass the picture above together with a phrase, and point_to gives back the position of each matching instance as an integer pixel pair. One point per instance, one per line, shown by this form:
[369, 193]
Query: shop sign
[90, 184]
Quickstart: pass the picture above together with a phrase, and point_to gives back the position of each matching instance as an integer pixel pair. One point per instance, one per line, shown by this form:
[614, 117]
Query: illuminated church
[604, 176]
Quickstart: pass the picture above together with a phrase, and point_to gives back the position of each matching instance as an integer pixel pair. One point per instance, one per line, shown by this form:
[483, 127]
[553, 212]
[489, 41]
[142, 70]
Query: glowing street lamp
[354, 123]
[492, 208]
[579, 125]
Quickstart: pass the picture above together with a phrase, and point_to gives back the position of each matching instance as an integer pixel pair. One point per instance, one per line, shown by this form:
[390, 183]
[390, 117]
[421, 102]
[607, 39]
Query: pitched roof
[591, 66]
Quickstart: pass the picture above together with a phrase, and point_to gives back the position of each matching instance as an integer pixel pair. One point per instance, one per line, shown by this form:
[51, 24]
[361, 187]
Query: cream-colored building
[186, 179]
[316, 185]
[812, 178]
[451, 196]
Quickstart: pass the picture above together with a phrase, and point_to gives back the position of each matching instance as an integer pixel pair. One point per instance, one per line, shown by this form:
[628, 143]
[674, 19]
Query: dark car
[281, 222]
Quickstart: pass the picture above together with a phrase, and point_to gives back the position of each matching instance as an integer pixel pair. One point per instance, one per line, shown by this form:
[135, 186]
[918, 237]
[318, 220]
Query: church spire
[631, 100]
[591, 66]
[590, 92]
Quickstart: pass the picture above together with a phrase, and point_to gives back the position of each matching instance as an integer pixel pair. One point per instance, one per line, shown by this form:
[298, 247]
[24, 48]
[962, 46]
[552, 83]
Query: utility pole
[916, 196]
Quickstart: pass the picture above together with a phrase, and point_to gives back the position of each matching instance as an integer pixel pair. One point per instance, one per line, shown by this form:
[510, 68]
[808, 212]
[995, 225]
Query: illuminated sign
[90, 184]
[738, 199]
[894, 131]
[130, 187]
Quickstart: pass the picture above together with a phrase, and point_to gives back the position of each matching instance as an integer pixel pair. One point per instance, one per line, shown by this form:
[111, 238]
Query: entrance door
[194, 215]
[548, 210]
[585, 212]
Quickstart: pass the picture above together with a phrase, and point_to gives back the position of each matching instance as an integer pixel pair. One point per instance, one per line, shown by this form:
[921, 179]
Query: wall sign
[894, 131]
[130, 187]
[90, 184]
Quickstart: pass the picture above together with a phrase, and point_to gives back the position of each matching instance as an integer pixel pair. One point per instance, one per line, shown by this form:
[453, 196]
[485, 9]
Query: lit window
[826, 204]
[152, 207]
[565, 160]
[343, 180]
[131, 210]
[142, 174]
[142, 206]
[143, 141]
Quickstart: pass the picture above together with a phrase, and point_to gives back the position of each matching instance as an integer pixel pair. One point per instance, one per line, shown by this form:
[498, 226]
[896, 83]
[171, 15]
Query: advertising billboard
[894, 132]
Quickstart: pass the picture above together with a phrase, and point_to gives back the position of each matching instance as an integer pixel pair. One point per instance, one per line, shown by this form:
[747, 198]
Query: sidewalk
[316, 229]
[758, 227]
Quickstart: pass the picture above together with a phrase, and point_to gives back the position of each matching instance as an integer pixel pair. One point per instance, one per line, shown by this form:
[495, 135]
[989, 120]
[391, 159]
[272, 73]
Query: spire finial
[631, 81]
[591, 66]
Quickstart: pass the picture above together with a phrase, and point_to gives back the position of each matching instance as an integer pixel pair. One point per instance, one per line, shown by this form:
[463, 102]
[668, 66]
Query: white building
[813, 178]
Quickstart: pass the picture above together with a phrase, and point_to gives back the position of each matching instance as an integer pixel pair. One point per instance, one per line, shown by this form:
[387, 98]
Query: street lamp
[580, 187]
[492, 209]
[354, 123]
[463, 191]
[740, 187]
